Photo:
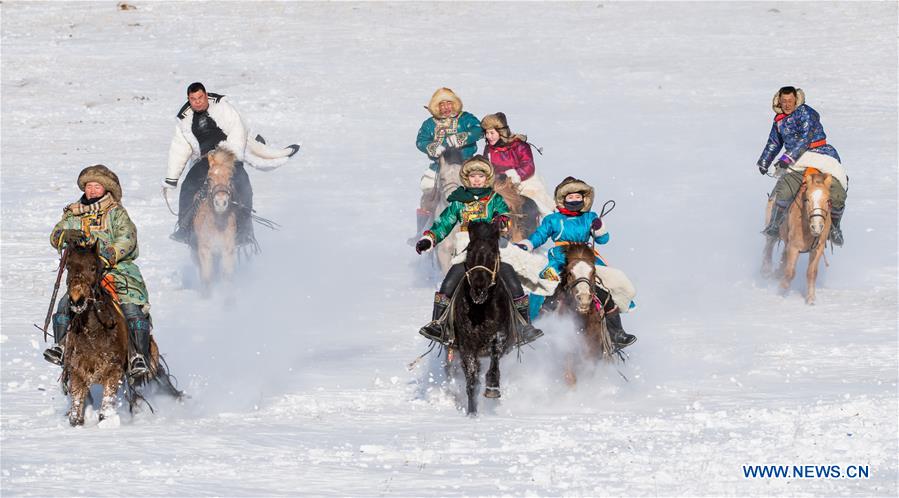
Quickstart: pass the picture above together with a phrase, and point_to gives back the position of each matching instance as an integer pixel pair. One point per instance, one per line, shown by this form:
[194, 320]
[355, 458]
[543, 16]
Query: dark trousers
[243, 195]
[506, 274]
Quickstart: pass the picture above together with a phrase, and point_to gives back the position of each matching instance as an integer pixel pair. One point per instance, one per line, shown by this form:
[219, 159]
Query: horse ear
[828, 179]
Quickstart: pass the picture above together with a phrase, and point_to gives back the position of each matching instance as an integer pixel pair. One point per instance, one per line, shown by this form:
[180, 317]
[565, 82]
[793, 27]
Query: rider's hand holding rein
[424, 244]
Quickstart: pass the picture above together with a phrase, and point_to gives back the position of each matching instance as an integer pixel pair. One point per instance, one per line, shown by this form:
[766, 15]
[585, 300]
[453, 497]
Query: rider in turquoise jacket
[574, 222]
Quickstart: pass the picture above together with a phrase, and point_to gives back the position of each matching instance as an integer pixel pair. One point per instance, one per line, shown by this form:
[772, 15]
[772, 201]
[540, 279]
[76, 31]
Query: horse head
[221, 171]
[482, 259]
[580, 276]
[817, 201]
[84, 271]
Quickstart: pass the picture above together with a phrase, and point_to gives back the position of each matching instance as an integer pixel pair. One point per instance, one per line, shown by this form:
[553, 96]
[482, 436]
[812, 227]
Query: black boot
[527, 333]
[139, 328]
[616, 331]
[55, 353]
[836, 235]
[434, 330]
[778, 214]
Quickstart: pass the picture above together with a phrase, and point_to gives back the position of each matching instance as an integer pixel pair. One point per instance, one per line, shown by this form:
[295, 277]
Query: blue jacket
[433, 132]
[563, 228]
[796, 133]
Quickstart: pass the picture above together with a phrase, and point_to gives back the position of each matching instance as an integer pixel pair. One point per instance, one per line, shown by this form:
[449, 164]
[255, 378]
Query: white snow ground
[297, 378]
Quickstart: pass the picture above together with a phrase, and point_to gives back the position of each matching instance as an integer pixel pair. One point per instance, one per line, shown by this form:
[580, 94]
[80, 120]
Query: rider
[797, 129]
[448, 128]
[511, 155]
[576, 223]
[206, 121]
[99, 218]
[474, 201]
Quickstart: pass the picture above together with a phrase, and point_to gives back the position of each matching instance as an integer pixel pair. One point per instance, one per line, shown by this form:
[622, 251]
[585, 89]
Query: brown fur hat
[497, 121]
[476, 163]
[439, 96]
[775, 103]
[572, 185]
[102, 175]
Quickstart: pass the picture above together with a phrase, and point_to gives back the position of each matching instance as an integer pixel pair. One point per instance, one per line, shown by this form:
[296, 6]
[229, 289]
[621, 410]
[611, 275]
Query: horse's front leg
[229, 252]
[812, 272]
[472, 367]
[205, 258]
[78, 390]
[791, 255]
[767, 264]
[113, 380]
[492, 390]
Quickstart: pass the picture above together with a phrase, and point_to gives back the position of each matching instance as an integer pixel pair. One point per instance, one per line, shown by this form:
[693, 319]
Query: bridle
[492, 272]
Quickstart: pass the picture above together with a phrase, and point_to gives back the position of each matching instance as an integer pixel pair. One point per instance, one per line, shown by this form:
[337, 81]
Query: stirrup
[528, 334]
[428, 331]
[54, 354]
[137, 366]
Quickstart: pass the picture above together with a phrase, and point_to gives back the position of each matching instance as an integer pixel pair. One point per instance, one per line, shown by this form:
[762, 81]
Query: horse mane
[578, 252]
[506, 189]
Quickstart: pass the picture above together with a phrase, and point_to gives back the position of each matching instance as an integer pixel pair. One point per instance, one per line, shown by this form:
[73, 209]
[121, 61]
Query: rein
[492, 272]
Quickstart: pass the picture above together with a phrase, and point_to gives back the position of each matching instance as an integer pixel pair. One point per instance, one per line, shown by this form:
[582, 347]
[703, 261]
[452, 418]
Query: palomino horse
[97, 341]
[805, 229]
[577, 294]
[524, 215]
[480, 313]
[215, 219]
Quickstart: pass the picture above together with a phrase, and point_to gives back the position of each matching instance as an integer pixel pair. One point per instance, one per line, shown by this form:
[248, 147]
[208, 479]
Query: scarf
[469, 194]
[94, 206]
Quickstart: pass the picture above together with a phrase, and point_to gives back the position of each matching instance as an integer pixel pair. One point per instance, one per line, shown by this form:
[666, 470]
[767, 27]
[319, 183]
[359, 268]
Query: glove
[514, 176]
[424, 244]
[763, 169]
[74, 237]
[453, 141]
[522, 247]
[439, 150]
[294, 148]
[784, 161]
[596, 225]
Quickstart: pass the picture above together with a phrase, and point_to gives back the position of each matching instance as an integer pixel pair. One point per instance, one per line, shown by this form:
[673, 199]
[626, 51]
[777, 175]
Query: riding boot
[616, 331]
[778, 214]
[527, 333]
[434, 329]
[139, 328]
[836, 235]
[60, 320]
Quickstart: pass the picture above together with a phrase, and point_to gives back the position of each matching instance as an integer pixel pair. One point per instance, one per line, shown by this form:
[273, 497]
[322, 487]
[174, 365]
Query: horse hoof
[75, 422]
[492, 392]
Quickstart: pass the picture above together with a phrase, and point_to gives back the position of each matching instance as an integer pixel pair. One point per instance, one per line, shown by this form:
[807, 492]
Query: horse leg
[492, 390]
[78, 390]
[812, 272]
[472, 367]
[110, 388]
[205, 257]
[570, 375]
[791, 255]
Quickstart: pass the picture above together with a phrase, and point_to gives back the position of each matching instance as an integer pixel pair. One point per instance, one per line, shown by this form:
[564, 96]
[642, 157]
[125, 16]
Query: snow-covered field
[298, 377]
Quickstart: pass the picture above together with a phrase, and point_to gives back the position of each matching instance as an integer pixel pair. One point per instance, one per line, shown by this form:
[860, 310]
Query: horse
[96, 343]
[576, 295]
[480, 313]
[524, 215]
[805, 229]
[215, 220]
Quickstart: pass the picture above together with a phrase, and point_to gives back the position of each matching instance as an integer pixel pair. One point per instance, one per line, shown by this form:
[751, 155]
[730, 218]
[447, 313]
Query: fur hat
[476, 163]
[498, 122]
[572, 185]
[775, 103]
[439, 96]
[102, 175]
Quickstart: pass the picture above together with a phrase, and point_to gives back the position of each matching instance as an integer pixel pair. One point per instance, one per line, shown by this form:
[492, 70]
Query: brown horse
[97, 341]
[577, 295]
[524, 215]
[215, 219]
[805, 230]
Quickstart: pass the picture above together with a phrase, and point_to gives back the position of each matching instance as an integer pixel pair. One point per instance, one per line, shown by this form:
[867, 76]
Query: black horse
[480, 314]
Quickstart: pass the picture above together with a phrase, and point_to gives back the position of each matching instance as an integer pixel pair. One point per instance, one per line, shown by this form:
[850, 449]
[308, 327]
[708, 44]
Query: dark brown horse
[524, 215]
[480, 313]
[577, 296]
[97, 341]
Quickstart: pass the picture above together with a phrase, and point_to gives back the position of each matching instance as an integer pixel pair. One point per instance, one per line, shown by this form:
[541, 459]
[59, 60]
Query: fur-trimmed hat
[439, 96]
[572, 185]
[497, 121]
[775, 103]
[476, 163]
[104, 176]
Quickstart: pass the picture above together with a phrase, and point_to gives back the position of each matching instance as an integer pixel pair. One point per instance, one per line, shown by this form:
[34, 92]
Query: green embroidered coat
[107, 223]
[483, 209]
